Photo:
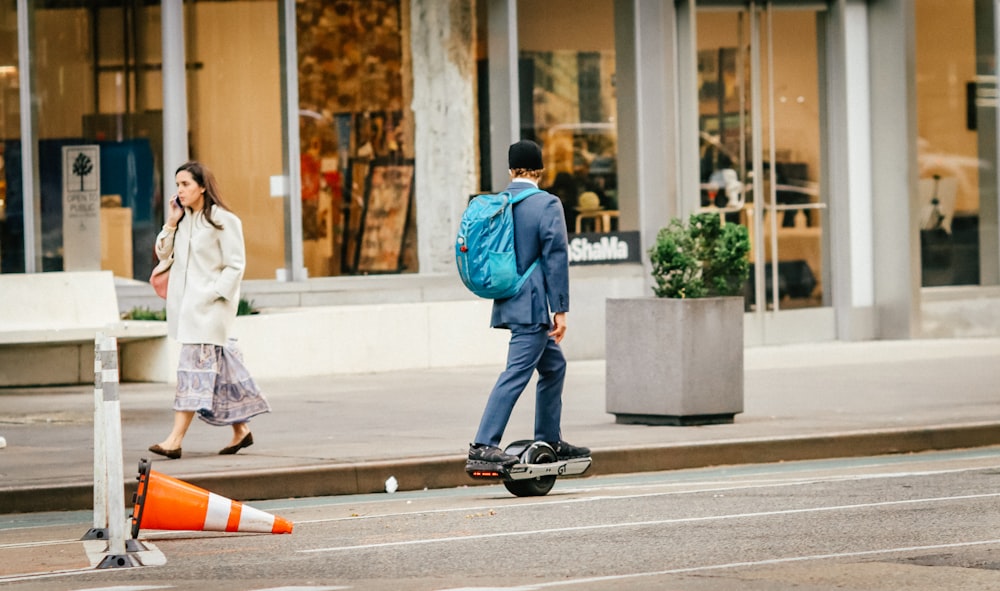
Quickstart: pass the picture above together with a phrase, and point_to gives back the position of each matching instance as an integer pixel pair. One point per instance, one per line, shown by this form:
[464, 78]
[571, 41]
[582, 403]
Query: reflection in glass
[11, 212]
[950, 140]
[352, 125]
[571, 117]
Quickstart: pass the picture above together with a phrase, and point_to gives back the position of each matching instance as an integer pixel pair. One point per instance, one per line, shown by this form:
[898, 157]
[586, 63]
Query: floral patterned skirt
[213, 382]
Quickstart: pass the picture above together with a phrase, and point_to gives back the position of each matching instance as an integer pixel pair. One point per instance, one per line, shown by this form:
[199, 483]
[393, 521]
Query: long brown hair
[206, 180]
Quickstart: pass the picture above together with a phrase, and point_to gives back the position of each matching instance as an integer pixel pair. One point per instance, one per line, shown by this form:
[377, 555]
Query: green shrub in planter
[244, 308]
[703, 258]
[142, 313]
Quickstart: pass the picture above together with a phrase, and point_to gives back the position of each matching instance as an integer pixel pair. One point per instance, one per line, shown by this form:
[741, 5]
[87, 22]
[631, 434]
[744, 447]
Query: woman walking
[205, 240]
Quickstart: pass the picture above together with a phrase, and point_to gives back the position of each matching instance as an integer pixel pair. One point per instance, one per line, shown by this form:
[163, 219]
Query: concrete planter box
[674, 361]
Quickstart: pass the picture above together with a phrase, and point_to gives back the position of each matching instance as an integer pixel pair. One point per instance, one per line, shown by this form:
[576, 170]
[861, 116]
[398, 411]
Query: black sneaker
[490, 454]
[568, 451]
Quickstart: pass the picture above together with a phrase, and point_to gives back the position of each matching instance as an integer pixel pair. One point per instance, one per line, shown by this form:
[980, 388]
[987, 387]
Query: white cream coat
[204, 289]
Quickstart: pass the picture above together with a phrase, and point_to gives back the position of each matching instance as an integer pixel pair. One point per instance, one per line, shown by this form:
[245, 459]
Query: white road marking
[37, 544]
[583, 581]
[598, 497]
[96, 550]
[56, 573]
[629, 524]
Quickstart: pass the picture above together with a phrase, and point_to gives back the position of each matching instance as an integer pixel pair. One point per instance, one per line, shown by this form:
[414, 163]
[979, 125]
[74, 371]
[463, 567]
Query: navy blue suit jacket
[539, 231]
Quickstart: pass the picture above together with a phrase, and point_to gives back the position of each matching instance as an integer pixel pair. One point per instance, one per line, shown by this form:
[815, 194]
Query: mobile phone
[177, 201]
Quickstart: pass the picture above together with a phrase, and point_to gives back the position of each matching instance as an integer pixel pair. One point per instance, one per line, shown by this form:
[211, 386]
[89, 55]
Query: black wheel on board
[537, 453]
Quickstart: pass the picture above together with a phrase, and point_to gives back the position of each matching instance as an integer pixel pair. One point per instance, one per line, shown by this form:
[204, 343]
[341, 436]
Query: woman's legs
[207, 375]
[182, 420]
[240, 430]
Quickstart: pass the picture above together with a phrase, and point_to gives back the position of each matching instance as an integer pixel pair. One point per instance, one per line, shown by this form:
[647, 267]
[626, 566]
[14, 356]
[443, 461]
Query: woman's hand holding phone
[176, 211]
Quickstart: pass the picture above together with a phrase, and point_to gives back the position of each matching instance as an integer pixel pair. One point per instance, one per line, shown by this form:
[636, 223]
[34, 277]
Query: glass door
[759, 122]
[956, 139]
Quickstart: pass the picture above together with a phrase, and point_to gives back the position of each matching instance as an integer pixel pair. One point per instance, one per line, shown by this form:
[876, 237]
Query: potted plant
[677, 358]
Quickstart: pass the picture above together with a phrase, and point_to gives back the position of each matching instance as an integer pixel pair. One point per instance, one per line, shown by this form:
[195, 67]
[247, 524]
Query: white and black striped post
[108, 471]
[100, 529]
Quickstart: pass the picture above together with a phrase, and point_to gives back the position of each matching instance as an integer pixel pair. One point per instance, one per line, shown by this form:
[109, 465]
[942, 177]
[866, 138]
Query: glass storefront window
[950, 142]
[97, 77]
[355, 127]
[567, 68]
[96, 84]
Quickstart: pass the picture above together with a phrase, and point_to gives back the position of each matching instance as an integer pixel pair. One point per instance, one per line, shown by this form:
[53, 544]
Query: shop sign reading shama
[604, 249]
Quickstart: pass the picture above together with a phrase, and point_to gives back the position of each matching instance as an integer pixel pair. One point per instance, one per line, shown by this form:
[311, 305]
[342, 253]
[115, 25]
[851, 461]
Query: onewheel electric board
[534, 474]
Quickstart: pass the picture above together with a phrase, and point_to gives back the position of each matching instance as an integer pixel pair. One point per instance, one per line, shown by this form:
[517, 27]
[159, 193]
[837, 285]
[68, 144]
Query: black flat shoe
[228, 451]
[170, 454]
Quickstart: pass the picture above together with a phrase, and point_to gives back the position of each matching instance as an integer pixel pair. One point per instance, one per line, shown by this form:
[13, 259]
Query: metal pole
[30, 203]
[294, 262]
[505, 116]
[772, 174]
[175, 108]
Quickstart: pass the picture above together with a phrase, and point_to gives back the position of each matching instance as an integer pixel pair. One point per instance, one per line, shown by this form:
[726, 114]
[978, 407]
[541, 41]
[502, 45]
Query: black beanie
[525, 154]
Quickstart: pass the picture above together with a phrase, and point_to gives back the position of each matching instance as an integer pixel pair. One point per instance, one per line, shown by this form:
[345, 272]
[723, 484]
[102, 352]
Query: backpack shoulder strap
[523, 194]
[527, 272]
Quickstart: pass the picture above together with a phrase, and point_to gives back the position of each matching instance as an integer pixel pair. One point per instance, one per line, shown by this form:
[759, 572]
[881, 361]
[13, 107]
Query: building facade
[856, 139]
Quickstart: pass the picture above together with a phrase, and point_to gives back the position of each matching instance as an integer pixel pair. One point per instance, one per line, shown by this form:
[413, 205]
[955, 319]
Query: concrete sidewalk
[346, 434]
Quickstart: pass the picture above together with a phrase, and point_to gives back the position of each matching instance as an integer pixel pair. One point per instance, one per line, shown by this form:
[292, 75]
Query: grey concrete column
[175, 106]
[444, 108]
[987, 54]
[505, 111]
[647, 82]
[895, 211]
[846, 184]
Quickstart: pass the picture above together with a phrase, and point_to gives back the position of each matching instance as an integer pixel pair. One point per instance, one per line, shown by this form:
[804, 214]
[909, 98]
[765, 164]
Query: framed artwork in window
[383, 223]
[353, 207]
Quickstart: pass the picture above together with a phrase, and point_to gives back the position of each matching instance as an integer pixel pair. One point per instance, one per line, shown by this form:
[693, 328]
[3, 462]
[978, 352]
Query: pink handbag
[161, 277]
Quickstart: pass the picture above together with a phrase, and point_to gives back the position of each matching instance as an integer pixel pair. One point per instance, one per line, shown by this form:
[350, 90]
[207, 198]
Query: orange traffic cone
[163, 502]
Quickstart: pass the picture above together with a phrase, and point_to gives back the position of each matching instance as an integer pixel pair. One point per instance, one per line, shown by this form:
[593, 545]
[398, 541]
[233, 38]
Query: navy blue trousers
[530, 349]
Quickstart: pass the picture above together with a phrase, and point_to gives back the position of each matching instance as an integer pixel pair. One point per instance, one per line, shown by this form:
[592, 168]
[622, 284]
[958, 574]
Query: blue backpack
[484, 248]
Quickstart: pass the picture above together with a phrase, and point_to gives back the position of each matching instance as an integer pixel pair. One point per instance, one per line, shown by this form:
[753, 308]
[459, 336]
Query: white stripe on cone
[256, 520]
[217, 515]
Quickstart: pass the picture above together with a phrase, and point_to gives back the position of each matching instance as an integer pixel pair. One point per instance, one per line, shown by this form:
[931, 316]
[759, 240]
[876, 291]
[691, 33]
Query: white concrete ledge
[345, 339]
[125, 330]
[353, 339]
[49, 322]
